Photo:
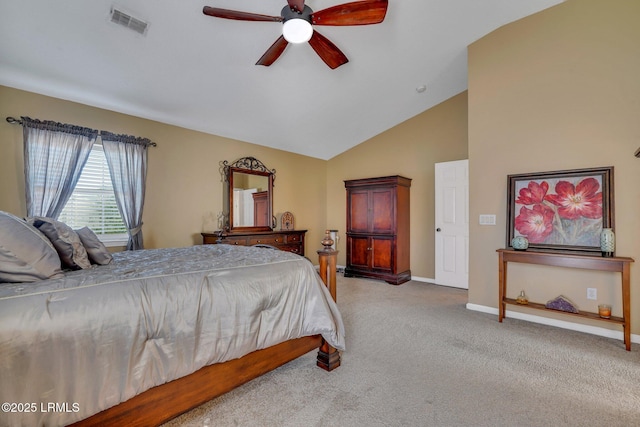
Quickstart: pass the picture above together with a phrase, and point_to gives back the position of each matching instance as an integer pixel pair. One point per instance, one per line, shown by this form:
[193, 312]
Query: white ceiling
[198, 72]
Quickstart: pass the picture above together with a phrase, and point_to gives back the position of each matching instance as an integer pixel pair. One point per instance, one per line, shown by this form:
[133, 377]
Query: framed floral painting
[561, 210]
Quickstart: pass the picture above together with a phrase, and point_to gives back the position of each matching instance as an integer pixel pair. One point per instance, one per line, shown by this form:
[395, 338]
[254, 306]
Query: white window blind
[93, 203]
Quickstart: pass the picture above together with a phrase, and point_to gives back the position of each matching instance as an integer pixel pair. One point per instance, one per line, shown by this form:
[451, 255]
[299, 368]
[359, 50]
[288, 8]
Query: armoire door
[359, 251]
[358, 217]
[381, 253]
[382, 210]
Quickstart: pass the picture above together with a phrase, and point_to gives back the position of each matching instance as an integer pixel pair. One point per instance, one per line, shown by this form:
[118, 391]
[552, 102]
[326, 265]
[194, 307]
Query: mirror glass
[250, 198]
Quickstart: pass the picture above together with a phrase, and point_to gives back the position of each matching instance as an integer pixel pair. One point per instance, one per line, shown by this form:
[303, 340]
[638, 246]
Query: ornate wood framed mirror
[250, 195]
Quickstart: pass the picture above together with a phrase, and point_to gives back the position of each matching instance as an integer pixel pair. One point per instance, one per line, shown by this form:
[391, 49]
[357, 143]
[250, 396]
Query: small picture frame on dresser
[287, 221]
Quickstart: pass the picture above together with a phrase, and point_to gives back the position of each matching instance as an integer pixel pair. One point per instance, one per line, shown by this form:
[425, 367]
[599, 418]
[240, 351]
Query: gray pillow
[97, 251]
[26, 255]
[70, 249]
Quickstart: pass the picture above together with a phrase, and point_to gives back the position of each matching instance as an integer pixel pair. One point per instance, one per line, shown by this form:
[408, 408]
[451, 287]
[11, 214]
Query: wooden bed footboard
[164, 402]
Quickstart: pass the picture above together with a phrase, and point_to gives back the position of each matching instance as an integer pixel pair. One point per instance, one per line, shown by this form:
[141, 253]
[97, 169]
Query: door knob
[438, 229]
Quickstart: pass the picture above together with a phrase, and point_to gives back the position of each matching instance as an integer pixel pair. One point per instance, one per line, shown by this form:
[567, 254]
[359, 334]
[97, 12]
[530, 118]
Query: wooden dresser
[378, 229]
[285, 240]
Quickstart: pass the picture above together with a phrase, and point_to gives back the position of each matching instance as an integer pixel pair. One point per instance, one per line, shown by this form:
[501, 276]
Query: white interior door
[452, 223]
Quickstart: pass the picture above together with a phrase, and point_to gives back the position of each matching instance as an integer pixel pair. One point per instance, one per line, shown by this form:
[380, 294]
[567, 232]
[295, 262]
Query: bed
[154, 333]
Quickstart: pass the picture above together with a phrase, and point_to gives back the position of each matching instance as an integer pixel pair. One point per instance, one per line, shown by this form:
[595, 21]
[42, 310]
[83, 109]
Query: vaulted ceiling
[199, 72]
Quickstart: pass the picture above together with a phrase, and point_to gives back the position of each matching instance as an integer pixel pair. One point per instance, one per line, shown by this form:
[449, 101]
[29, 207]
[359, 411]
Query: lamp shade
[297, 30]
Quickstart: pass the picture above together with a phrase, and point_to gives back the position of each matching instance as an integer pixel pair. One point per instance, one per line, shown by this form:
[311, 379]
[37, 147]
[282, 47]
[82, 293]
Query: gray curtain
[127, 159]
[54, 155]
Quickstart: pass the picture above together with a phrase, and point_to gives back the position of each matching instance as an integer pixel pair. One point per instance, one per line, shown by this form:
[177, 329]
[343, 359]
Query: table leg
[502, 285]
[626, 309]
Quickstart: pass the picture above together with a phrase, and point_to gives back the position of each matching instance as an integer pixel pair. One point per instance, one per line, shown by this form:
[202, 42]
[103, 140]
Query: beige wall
[557, 90]
[410, 149]
[184, 186]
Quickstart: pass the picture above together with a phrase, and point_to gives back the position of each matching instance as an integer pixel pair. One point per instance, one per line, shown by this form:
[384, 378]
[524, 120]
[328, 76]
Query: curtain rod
[15, 121]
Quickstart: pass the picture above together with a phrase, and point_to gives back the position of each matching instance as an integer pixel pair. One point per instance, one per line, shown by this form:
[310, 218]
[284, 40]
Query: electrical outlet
[592, 293]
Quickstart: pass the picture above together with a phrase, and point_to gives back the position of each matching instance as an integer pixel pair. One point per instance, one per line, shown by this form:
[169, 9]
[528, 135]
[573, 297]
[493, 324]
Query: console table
[588, 262]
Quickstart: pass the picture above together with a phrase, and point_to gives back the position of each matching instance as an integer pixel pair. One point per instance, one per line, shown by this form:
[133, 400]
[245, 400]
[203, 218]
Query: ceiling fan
[298, 18]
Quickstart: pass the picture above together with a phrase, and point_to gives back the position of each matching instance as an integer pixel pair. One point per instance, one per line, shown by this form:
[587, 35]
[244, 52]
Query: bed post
[328, 357]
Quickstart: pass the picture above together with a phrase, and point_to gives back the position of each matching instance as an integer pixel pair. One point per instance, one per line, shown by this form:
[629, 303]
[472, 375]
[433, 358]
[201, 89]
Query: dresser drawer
[272, 239]
[241, 241]
[210, 239]
[294, 238]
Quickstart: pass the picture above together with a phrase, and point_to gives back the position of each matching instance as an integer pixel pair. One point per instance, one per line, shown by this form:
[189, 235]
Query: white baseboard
[423, 279]
[594, 330]
[435, 282]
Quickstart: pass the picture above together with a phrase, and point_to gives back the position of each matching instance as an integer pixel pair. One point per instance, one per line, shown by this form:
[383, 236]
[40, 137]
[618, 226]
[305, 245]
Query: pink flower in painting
[536, 223]
[533, 194]
[583, 200]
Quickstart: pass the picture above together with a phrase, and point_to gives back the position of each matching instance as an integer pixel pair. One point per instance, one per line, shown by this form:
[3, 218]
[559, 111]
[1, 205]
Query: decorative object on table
[562, 303]
[607, 242]
[222, 220]
[520, 243]
[604, 310]
[327, 241]
[335, 237]
[522, 298]
[560, 210]
[287, 221]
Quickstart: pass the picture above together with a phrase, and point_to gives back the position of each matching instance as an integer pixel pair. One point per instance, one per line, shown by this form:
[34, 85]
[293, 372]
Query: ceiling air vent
[126, 20]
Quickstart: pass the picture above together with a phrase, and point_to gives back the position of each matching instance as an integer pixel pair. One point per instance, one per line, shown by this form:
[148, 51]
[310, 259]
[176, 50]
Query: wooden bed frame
[164, 402]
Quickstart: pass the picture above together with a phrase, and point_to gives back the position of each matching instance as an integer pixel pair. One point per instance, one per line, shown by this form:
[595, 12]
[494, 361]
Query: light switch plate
[486, 219]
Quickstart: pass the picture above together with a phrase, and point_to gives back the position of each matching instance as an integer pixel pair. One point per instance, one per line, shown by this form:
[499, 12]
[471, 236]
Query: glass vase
[607, 242]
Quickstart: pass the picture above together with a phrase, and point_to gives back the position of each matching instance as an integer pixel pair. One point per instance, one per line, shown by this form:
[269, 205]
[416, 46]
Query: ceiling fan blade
[241, 16]
[273, 52]
[329, 52]
[355, 13]
[297, 5]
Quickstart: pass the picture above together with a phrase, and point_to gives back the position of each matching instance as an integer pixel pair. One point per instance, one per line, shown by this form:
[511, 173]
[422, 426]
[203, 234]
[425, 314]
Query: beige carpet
[417, 357]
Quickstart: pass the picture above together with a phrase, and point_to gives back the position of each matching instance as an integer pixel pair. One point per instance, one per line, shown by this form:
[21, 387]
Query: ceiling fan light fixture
[297, 30]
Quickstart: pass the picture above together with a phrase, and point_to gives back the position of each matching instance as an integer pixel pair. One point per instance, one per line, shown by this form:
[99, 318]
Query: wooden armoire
[378, 229]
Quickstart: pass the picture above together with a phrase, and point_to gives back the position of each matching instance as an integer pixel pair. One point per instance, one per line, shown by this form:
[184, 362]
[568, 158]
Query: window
[93, 203]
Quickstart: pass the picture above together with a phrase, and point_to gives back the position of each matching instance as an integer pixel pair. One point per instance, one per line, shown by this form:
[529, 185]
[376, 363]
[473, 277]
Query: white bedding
[74, 346]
